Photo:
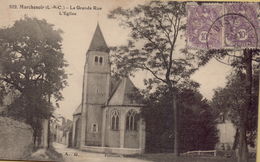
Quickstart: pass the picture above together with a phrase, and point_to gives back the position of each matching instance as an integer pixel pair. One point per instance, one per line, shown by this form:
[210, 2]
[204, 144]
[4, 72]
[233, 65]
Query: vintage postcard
[129, 80]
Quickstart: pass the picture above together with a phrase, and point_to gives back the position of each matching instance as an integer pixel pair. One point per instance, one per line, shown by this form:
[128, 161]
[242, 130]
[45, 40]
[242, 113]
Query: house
[66, 130]
[227, 132]
[61, 130]
[108, 119]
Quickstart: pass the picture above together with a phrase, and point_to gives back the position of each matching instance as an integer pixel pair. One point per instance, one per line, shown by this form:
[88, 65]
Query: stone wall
[15, 139]
[132, 139]
[94, 117]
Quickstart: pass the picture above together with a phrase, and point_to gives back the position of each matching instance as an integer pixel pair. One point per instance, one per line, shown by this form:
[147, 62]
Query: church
[108, 119]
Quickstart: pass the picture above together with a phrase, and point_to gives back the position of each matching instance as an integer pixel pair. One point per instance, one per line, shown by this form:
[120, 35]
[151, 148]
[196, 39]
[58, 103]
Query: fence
[201, 153]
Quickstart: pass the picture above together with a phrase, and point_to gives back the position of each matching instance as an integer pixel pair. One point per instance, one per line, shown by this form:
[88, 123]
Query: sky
[78, 31]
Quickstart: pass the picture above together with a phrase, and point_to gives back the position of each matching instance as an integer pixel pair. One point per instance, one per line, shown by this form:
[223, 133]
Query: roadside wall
[15, 139]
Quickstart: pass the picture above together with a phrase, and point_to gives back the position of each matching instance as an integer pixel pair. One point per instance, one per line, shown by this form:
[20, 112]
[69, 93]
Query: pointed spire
[98, 42]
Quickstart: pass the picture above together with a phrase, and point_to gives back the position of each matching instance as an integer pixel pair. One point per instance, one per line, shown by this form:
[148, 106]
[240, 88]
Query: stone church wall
[94, 67]
[112, 138]
[15, 139]
[132, 139]
[94, 117]
[97, 88]
[76, 131]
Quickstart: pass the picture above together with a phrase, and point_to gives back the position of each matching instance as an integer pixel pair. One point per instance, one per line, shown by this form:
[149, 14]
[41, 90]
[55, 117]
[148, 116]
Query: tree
[240, 61]
[33, 64]
[198, 128]
[155, 28]
[230, 100]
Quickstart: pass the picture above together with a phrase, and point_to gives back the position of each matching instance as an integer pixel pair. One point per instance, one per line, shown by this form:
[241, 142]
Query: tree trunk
[258, 125]
[243, 150]
[176, 125]
[235, 143]
[49, 135]
[34, 139]
[49, 130]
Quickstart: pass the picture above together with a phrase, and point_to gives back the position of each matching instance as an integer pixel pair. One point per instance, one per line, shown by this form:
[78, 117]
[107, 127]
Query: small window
[131, 121]
[222, 118]
[115, 120]
[96, 59]
[100, 60]
[94, 128]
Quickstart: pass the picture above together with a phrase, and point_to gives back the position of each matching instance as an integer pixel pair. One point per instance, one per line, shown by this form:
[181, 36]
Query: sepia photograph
[129, 80]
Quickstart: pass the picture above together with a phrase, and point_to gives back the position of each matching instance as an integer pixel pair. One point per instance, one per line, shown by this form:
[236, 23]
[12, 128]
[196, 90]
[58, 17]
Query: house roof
[98, 42]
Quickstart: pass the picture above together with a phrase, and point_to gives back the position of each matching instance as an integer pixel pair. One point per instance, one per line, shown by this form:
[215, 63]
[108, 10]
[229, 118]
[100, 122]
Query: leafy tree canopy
[155, 28]
[230, 100]
[32, 63]
[32, 56]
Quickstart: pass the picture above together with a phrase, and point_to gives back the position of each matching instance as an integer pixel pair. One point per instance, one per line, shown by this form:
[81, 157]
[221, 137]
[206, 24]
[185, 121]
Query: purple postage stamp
[200, 19]
[230, 25]
[240, 25]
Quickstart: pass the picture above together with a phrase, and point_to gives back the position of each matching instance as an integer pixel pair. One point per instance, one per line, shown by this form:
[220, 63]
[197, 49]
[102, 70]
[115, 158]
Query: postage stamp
[240, 25]
[200, 19]
[235, 25]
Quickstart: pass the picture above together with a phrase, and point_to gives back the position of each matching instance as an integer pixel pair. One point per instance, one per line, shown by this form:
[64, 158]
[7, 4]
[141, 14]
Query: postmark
[236, 28]
[240, 25]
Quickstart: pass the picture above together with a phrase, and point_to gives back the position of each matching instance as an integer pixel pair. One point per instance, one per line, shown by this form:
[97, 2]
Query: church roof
[78, 110]
[124, 93]
[130, 92]
[114, 83]
[98, 42]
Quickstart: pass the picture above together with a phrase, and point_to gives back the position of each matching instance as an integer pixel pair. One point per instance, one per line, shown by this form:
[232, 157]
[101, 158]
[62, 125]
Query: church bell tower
[95, 89]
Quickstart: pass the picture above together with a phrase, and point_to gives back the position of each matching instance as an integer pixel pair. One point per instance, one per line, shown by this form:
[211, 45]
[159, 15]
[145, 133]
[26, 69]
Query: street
[74, 155]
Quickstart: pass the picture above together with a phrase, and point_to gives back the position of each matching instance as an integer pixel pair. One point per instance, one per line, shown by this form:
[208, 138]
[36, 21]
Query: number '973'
[13, 6]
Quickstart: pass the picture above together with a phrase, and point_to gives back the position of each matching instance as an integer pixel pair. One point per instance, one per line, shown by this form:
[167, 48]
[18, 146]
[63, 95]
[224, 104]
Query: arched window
[115, 120]
[131, 120]
[96, 59]
[100, 60]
